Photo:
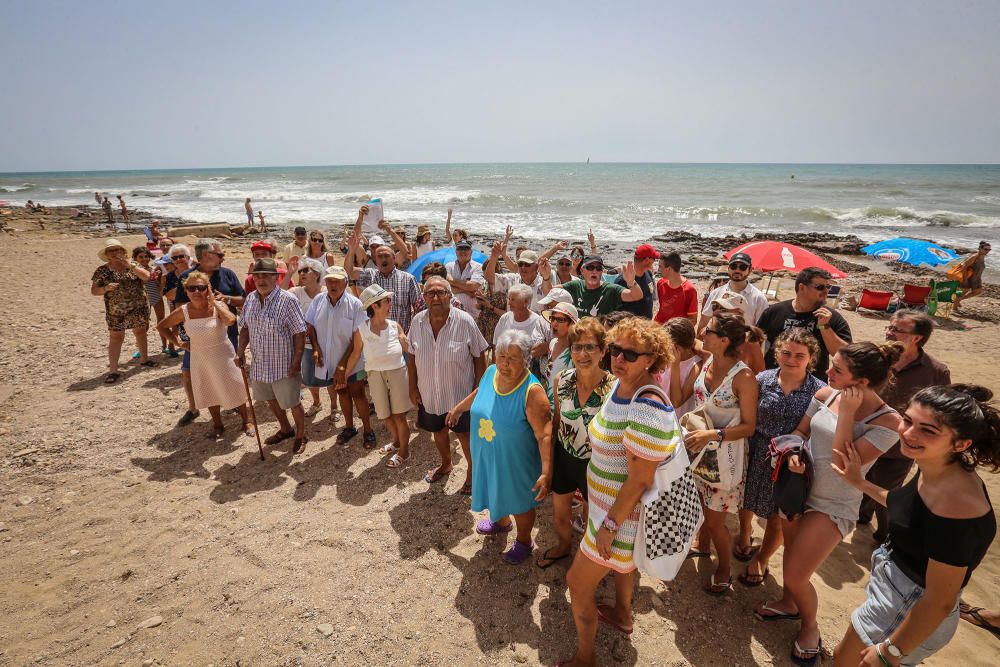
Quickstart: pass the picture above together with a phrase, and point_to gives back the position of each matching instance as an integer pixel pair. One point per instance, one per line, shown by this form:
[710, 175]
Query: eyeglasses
[594, 267]
[630, 355]
[585, 347]
[739, 266]
[436, 294]
[217, 253]
[179, 256]
[565, 263]
[196, 288]
[821, 288]
[893, 329]
[560, 320]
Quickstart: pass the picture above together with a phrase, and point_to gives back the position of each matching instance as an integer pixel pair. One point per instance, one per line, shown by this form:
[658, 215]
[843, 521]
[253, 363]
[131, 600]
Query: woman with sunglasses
[635, 430]
[180, 256]
[941, 525]
[154, 293]
[728, 390]
[310, 273]
[216, 382]
[317, 250]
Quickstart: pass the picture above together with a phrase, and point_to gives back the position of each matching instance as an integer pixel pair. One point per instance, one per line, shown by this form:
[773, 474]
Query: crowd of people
[573, 382]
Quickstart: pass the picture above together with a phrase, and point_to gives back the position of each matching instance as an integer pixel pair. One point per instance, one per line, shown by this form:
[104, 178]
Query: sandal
[346, 435]
[720, 588]
[579, 525]
[744, 554]
[518, 553]
[112, 378]
[396, 461]
[436, 475]
[774, 614]
[604, 616]
[552, 560]
[977, 618]
[216, 432]
[300, 445]
[487, 527]
[806, 657]
[753, 580]
[698, 553]
[391, 448]
[313, 410]
[249, 430]
[369, 440]
[149, 363]
[278, 437]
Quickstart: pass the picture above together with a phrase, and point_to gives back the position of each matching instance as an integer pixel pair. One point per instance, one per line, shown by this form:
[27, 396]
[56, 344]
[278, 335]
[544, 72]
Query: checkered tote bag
[669, 519]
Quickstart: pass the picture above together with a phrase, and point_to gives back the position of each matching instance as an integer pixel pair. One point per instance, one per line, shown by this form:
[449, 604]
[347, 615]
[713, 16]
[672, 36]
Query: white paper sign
[375, 213]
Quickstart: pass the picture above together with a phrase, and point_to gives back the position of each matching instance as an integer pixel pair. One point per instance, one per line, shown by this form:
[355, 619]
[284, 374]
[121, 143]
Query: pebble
[147, 663]
[74, 552]
[120, 643]
[3, 526]
[150, 622]
[110, 624]
[324, 629]
[26, 452]
[25, 500]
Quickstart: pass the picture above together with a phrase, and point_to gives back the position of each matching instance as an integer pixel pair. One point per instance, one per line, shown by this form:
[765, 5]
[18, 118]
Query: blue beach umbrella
[910, 251]
[444, 255]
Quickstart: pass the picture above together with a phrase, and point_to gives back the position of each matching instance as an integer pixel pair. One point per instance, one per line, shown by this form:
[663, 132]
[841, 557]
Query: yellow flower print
[486, 431]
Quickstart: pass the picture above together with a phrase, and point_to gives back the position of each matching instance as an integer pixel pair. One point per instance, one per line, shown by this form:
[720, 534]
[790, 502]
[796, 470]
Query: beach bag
[790, 489]
[719, 465]
[669, 515]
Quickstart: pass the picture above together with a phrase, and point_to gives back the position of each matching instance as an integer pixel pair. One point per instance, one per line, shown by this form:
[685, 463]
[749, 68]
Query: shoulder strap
[656, 389]
[184, 309]
[885, 409]
[833, 394]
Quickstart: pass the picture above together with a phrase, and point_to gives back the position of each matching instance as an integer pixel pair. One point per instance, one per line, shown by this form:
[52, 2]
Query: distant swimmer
[97, 198]
[249, 209]
[793, 177]
[124, 209]
[260, 216]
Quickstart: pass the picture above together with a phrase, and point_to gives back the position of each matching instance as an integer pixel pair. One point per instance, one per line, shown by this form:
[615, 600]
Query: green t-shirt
[605, 299]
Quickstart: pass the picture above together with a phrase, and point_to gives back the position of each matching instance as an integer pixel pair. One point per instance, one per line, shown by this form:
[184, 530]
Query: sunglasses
[560, 320]
[630, 355]
[196, 288]
[175, 257]
[565, 263]
[305, 270]
[739, 266]
[821, 288]
[594, 267]
[585, 347]
[316, 240]
[714, 332]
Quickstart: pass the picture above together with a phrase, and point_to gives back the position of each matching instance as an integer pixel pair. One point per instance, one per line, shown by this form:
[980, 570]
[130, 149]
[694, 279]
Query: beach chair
[875, 300]
[942, 297]
[833, 296]
[915, 296]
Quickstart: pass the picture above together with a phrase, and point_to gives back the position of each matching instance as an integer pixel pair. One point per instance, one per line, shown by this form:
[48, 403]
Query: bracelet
[721, 432]
[882, 658]
[820, 326]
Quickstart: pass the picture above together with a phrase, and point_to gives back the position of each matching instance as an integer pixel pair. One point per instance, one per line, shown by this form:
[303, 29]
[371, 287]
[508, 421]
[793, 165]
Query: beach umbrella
[777, 256]
[910, 251]
[443, 255]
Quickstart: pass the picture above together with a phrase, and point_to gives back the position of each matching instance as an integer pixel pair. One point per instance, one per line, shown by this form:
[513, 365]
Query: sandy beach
[126, 541]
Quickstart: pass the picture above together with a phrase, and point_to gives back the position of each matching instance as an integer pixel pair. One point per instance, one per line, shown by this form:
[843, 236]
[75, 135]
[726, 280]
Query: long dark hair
[966, 410]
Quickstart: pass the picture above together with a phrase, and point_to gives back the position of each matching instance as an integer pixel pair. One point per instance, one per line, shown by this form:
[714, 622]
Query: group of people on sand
[105, 204]
[561, 379]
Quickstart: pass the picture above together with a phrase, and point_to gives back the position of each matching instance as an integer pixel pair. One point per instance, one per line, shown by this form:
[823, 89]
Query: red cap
[263, 245]
[646, 251]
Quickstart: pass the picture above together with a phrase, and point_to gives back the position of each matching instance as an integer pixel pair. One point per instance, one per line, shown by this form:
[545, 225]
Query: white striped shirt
[446, 372]
[272, 322]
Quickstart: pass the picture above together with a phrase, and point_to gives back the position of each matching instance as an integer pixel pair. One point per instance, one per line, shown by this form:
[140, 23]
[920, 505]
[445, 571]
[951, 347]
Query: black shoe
[187, 418]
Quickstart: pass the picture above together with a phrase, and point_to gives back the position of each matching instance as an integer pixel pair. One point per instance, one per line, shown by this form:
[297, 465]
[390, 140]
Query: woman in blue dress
[511, 444]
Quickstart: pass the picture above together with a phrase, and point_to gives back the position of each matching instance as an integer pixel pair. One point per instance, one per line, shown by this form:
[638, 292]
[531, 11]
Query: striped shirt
[645, 428]
[404, 292]
[272, 322]
[445, 370]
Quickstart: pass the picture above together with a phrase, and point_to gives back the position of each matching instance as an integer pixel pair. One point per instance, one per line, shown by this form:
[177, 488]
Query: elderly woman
[310, 286]
[511, 444]
[577, 395]
[519, 317]
[180, 257]
[215, 380]
[635, 431]
[122, 283]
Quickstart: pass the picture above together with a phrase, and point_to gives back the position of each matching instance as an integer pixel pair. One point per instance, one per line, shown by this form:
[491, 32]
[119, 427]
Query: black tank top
[917, 535]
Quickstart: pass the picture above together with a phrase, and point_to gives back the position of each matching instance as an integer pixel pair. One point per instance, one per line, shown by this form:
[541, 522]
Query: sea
[954, 205]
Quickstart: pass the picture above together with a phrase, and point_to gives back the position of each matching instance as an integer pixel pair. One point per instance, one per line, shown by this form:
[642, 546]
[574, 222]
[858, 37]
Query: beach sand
[126, 541]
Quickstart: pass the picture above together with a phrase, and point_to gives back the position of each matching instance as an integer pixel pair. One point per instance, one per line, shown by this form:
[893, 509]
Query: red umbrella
[777, 256]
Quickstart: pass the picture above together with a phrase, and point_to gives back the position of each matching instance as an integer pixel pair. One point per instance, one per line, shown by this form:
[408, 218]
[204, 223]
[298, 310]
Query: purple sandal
[518, 553]
[487, 527]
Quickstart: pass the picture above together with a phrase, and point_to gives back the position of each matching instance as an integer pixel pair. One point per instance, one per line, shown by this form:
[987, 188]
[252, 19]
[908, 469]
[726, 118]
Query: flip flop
[604, 616]
[753, 580]
[808, 656]
[436, 475]
[698, 553]
[278, 437]
[112, 378]
[977, 619]
[391, 448]
[774, 614]
[551, 560]
[744, 554]
[396, 461]
[718, 589]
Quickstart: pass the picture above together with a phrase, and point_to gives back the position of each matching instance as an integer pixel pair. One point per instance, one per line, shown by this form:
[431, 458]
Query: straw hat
[567, 309]
[373, 294]
[110, 244]
[422, 229]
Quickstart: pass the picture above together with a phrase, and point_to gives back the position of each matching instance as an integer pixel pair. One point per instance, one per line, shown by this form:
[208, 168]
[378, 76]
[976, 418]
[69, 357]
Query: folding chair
[875, 300]
[915, 296]
[834, 294]
[942, 297]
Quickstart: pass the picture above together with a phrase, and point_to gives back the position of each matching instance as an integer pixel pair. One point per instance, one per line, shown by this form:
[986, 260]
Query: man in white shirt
[740, 266]
[527, 274]
[466, 278]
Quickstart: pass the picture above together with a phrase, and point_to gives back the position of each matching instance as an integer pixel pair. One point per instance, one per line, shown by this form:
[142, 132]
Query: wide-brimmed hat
[730, 301]
[422, 229]
[335, 272]
[264, 265]
[374, 293]
[567, 309]
[110, 244]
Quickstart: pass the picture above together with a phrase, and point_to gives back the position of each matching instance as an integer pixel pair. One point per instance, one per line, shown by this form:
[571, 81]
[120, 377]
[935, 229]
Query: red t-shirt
[676, 301]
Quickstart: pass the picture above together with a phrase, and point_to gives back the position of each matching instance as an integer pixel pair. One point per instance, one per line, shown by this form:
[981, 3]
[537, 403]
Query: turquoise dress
[505, 458]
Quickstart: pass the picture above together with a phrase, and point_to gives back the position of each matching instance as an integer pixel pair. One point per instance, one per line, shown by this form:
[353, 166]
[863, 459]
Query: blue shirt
[644, 306]
[222, 280]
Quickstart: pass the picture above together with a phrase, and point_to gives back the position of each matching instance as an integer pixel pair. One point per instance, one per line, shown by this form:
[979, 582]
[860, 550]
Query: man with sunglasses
[593, 296]
[532, 270]
[807, 310]
[298, 247]
[740, 267]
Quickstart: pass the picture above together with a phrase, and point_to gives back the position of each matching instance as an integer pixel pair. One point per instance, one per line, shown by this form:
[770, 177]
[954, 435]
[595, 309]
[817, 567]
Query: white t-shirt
[531, 326]
[305, 301]
[424, 248]
[756, 302]
[473, 271]
[504, 281]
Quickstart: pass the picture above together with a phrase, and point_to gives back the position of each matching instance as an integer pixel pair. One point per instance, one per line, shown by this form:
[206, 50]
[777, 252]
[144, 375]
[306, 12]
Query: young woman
[424, 243]
[848, 413]
[785, 393]
[577, 395]
[678, 379]
[310, 272]
[728, 390]
[941, 525]
[317, 250]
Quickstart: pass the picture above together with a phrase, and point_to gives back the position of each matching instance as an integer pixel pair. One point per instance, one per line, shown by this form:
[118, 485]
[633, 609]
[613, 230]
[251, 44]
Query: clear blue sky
[108, 85]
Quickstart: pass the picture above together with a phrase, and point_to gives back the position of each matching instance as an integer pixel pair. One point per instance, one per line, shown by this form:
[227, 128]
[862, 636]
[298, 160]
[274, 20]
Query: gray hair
[201, 245]
[525, 292]
[515, 338]
[179, 248]
[310, 263]
[443, 281]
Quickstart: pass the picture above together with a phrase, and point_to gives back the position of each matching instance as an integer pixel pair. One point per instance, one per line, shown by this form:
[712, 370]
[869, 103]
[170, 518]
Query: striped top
[642, 427]
[446, 371]
[404, 293]
[273, 324]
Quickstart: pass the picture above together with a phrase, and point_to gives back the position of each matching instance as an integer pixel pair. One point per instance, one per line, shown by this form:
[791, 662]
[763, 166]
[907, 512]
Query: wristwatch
[892, 649]
[610, 524]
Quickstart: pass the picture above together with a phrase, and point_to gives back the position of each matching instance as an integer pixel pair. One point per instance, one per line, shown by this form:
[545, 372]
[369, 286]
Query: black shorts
[435, 423]
[569, 473]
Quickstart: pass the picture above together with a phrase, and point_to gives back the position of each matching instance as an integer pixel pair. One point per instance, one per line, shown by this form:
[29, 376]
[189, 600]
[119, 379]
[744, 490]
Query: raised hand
[509, 233]
[628, 272]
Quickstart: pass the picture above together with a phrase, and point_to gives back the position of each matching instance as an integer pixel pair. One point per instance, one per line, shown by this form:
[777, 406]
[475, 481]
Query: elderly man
[298, 247]
[271, 325]
[528, 274]
[643, 259]
[677, 295]
[807, 310]
[740, 266]
[914, 371]
[337, 351]
[593, 296]
[466, 278]
[267, 250]
[445, 365]
[402, 285]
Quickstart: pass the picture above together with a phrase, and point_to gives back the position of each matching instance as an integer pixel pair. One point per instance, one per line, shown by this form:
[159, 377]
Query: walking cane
[253, 413]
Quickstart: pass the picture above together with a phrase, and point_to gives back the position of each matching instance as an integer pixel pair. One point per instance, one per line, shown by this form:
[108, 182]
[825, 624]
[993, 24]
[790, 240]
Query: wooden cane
[253, 413]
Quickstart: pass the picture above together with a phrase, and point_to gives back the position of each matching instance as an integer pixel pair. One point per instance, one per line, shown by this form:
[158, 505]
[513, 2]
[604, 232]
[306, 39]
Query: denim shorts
[891, 596]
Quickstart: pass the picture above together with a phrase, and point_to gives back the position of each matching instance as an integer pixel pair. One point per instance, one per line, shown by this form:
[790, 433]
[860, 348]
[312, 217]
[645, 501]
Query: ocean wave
[17, 188]
[904, 215]
[152, 193]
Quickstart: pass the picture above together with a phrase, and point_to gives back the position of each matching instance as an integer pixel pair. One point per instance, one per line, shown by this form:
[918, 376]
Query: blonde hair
[649, 335]
[589, 326]
[196, 275]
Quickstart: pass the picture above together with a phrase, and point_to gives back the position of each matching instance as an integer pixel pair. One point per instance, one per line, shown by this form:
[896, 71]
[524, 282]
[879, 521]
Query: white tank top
[383, 352]
[424, 248]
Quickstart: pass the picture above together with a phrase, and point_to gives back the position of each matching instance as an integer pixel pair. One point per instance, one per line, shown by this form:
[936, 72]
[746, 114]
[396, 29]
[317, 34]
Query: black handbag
[790, 489]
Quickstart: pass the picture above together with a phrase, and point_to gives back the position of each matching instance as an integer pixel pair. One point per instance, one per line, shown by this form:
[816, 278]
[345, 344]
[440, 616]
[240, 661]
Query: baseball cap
[556, 295]
[264, 265]
[741, 257]
[591, 259]
[730, 301]
[300, 230]
[335, 272]
[567, 309]
[376, 240]
[262, 245]
[528, 257]
[646, 251]
[464, 245]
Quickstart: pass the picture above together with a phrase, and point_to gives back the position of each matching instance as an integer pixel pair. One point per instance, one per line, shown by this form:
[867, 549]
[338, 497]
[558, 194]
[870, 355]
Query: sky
[141, 85]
